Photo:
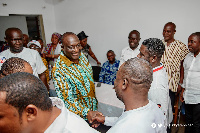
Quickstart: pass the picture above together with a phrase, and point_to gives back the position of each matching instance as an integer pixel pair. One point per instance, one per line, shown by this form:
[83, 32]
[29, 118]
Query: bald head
[137, 71]
[171, 24]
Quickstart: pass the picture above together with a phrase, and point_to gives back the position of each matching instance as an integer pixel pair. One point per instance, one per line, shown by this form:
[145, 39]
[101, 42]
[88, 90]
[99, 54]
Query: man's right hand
[181, 96]
[97, 120]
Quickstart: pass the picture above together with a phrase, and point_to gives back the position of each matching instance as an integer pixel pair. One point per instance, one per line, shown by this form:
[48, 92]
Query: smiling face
[83, 42]
[10, 121]
[72, 47]
[194, 44]
[14, 38]
[133, 40]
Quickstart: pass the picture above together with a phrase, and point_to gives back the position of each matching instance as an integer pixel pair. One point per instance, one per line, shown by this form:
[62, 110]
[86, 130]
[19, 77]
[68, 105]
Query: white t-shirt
[29, 55]
[68, 122]
[146, 119]
[128, 53]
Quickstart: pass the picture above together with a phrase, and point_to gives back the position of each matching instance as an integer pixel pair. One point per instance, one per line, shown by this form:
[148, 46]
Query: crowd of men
[146, 79]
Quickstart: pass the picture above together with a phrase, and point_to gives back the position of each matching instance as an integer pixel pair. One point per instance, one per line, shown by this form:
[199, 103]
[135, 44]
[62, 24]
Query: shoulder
[5, 52]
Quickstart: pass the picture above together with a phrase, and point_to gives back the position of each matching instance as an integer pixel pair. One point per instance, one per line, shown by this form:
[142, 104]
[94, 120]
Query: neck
[156, 64]
[112, 62]
[134, 100]
[47, 118]
[170, 41]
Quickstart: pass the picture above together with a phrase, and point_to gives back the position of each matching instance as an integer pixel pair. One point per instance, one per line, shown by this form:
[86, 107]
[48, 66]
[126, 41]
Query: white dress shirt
[191, 81]
[128, 53]
[146, 119]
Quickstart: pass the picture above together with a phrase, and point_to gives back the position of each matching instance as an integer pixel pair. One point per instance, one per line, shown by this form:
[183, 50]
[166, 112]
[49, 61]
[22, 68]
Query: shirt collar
[66, 60]
[158, 68]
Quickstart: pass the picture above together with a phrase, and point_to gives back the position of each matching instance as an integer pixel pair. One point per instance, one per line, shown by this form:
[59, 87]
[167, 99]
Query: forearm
[42, 76]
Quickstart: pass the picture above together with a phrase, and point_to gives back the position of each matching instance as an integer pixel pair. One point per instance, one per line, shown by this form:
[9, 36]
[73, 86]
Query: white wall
[12, 21]
[108, 22]
[32, 7]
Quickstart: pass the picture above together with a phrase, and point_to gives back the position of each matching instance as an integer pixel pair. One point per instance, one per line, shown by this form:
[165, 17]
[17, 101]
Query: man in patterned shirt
[109, 69]
[175, 52]
[72, 77]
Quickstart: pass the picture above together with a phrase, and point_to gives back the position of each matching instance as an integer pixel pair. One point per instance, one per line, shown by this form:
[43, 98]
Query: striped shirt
[171, 59]
[74, 84]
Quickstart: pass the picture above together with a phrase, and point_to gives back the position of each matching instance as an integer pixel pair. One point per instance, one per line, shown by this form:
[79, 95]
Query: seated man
[13, 65]
[131, 86]
[26, 107]
[109, 69]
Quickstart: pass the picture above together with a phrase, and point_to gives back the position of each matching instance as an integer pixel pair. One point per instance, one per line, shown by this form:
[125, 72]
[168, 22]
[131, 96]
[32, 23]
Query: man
[109, 69]
[191, 90]
[14, 38]
[26, 40]
[152, 50]
[26, 107]
[72, 77]
[175, 52]
[131, 86]
[132, 50]
[13, 65]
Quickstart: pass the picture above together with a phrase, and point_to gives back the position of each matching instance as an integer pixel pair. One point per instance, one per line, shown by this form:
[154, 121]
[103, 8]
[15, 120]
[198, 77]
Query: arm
[93, 56]
[181, 77]
[42, 76]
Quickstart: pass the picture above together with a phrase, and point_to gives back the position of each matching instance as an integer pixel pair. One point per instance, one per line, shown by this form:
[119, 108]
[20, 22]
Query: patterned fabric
[171, 59]
[74, 84]
[108, 72]
[50, 50]
[47, 71]
[85, 50]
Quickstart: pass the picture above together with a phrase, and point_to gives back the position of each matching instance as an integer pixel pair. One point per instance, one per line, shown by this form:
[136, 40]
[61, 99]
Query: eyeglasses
[34, 47]
[78, 46]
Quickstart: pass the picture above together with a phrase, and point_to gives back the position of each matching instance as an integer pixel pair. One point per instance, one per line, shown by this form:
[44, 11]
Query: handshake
[95, 118]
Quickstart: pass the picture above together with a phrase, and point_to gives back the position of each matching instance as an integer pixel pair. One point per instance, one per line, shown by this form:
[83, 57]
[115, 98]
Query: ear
[153, 58]
[31, 112]
[125, 84]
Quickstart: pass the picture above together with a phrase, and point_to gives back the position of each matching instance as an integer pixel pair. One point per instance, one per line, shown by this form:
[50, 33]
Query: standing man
[72, 77]
[109, 69]
[14, 37]
[175, 52]
[132, 50]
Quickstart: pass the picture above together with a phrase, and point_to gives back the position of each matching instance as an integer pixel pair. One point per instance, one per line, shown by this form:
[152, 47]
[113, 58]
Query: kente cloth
[74, 84]
[171, 59]
[47, 71]
[108, 72]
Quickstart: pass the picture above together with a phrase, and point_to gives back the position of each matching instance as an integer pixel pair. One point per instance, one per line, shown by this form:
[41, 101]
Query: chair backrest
[96, 71]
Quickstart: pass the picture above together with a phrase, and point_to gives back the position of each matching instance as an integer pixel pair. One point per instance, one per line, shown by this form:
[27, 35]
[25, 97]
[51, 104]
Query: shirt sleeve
[110, 121]
[66, 93]
[102, 74]
[39, 64]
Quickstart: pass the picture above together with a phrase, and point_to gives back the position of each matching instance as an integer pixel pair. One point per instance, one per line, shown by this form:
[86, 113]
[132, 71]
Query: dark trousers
[172, 97]
[192, 116]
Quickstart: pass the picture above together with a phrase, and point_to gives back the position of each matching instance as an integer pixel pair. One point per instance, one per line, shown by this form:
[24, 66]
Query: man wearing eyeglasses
[132, 50]
[14, 38]
[72, 77]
